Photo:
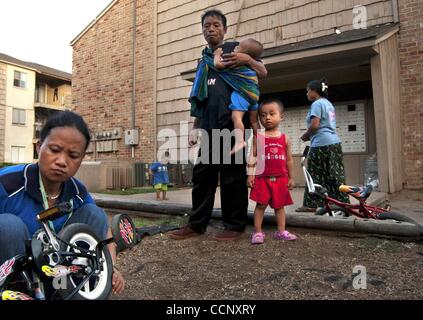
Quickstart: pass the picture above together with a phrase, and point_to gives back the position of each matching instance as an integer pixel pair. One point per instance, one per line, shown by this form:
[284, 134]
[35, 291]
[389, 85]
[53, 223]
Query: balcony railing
[57, 101]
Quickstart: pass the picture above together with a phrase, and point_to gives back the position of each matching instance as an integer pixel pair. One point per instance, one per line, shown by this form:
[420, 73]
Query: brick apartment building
[375, 74]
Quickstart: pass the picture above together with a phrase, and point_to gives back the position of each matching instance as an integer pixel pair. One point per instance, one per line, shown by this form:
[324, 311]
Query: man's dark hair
[214, 13]
[319, 86]
[272, 100]
[66, 119]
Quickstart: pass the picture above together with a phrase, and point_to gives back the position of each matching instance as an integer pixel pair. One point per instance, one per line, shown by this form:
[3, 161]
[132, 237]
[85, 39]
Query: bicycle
[334, 207]
[72, 264]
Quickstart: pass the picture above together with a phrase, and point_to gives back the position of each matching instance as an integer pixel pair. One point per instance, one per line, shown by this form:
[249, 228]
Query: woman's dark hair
[319, 86]
[214, 13]
[66, 119]
[272, 100]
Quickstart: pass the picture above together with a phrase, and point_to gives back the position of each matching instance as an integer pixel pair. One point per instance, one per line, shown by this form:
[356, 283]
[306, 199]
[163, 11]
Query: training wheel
[124, 233]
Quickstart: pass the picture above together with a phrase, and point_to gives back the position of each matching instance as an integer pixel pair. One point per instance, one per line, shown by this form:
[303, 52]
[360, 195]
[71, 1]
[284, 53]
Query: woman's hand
[118, 282]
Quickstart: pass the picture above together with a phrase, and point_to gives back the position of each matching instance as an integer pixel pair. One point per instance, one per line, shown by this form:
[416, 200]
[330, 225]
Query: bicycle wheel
[336, 211]
[99, 286]
[123, 231]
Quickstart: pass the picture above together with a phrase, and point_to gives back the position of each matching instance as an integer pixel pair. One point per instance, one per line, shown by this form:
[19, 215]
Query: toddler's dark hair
[272, 100]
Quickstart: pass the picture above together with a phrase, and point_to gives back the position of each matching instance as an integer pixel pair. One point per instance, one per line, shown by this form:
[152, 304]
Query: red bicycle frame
[361, 209]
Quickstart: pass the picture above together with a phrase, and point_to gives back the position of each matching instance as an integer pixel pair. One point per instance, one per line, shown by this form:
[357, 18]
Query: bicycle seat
[357, 192]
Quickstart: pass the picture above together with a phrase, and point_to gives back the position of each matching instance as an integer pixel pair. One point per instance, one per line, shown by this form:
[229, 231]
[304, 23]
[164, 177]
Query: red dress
[271, 182]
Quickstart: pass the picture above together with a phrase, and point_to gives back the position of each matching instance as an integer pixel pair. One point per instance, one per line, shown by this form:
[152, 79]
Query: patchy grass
[146, 222]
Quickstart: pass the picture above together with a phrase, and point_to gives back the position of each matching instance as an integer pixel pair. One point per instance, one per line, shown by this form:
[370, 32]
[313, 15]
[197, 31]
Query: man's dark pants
[234, 195]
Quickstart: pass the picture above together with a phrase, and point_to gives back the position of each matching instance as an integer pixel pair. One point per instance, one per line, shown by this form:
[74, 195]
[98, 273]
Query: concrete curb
[351, 224]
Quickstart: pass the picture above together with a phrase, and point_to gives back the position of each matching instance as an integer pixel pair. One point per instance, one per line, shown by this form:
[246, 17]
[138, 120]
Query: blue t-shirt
[160, 174]
[326, 134]
[20, 195]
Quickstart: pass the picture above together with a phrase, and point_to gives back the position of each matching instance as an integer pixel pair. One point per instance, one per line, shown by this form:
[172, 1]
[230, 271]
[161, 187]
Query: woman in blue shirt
[25, 190]
[325, 162]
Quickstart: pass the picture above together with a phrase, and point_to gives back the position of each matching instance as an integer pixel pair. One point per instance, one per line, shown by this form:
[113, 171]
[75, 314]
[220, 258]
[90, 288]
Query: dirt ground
[319, 265]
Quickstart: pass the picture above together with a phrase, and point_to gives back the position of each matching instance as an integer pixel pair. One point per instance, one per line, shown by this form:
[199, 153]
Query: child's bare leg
[281, 219]
[164, 196]
[158, 194]
[239, 131]
[258, 217]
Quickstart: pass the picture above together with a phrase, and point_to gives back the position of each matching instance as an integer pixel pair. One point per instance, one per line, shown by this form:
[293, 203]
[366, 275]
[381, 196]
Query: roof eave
[92, 23]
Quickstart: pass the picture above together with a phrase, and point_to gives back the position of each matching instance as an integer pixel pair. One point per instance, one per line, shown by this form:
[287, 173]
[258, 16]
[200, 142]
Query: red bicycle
[334, 207]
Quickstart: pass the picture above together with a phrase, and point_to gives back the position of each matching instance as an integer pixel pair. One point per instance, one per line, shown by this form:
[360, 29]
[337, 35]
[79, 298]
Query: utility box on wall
[131, 137]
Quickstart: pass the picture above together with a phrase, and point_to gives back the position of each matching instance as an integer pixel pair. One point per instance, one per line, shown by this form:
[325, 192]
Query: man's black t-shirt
[216, 114]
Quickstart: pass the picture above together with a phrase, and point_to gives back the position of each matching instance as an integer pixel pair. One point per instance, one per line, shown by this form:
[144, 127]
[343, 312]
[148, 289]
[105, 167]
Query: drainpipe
[395, 10]
[155, 79]
[134, 38]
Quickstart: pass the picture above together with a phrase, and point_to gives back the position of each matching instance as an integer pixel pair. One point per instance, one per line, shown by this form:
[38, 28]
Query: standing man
[211, 113]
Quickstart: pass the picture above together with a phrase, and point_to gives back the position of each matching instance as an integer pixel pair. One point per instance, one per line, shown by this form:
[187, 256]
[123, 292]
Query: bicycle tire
[323, 211]
[77, 233]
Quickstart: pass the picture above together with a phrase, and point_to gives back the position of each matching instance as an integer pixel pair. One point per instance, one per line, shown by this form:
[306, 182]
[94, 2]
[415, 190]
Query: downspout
[395, 10]
[134, 34]
[155, 79]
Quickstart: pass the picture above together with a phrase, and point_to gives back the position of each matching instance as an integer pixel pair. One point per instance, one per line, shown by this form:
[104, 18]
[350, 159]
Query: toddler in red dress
[271, 178]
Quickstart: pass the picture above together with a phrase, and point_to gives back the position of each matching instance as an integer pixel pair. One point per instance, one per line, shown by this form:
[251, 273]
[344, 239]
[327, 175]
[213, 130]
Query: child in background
[160, 175]
[239, 104]
[271, 186]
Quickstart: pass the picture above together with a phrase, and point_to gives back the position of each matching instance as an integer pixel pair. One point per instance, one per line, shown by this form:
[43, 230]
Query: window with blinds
[18, 154]
[19, 116]
[19, 79]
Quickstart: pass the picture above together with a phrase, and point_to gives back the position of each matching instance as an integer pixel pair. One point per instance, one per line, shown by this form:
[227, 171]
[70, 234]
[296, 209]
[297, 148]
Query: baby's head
[251, 47]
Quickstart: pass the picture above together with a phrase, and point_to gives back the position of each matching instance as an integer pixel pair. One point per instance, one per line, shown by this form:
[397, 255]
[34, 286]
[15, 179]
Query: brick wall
[102, 76]
[2, 108]
[411, 60]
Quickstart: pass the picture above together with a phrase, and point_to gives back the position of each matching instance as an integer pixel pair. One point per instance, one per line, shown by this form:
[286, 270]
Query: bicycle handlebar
[305, 152]
[54, 212]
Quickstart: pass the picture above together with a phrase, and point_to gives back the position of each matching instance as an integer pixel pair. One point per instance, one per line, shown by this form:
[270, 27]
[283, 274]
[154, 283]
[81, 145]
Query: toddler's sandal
[285, 235]
[258, 238]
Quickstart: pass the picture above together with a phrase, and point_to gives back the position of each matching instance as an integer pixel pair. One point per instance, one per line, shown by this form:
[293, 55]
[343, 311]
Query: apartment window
[18, 154]
[19, 79]
[19, 116]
